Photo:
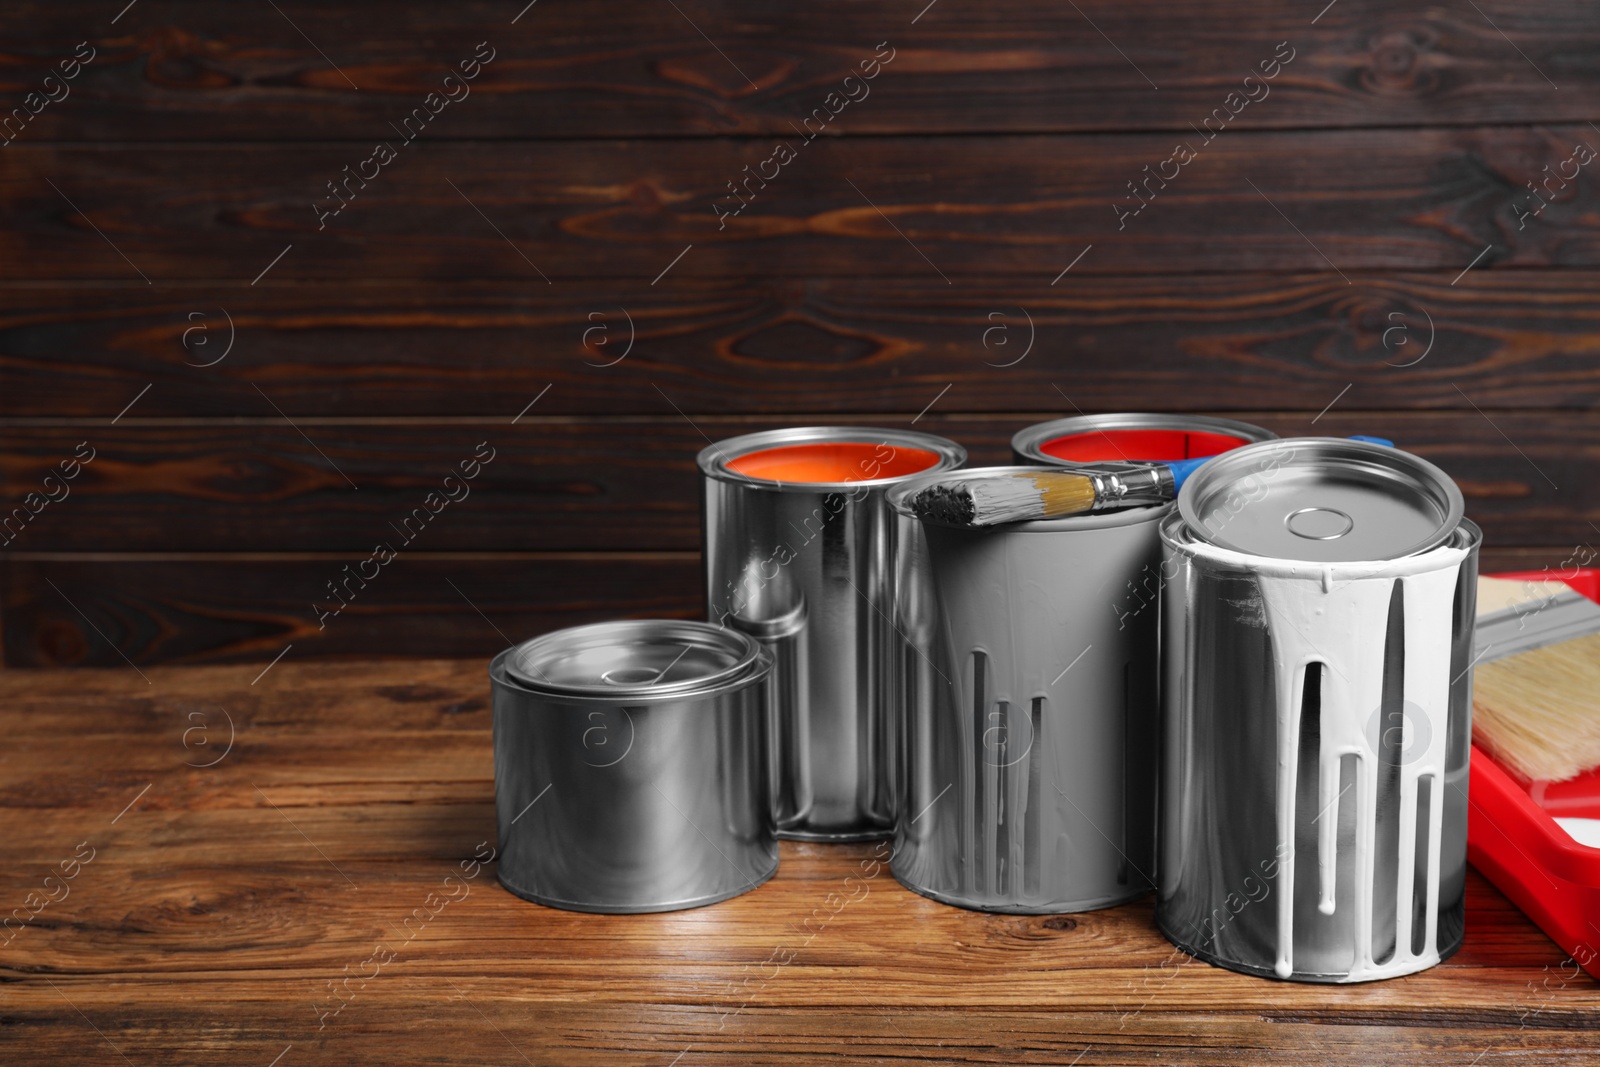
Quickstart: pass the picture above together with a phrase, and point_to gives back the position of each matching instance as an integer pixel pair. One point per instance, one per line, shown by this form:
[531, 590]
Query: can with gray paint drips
[1028, 705]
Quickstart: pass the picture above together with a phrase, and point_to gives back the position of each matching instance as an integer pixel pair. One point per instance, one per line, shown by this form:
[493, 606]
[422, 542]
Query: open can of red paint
[797, 550]
[1027, 684]
[1127, 568]
[1130, 436]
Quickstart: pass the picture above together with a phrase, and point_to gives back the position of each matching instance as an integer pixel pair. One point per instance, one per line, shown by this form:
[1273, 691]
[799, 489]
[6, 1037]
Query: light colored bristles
[1017, 497]
[1496, 594]
[1065, 494]
[1535, 712]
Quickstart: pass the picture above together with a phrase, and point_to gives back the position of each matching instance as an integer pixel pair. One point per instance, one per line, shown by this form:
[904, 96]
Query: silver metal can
[630, 766]
[1132, 436]
[1317, 639]
[797, 554]
[1029, 708]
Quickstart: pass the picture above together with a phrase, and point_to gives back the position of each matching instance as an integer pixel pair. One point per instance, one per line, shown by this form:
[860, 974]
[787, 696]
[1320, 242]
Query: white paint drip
[1337, 615]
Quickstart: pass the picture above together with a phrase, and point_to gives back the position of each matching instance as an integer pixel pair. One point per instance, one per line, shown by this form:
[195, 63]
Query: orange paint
[833, 461]
[1139, 445]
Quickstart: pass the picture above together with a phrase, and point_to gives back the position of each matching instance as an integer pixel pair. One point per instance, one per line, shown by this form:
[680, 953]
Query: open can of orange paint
[797, 549]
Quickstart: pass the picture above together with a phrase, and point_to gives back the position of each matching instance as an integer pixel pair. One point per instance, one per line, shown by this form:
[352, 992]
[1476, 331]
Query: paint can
[630, 766]
[796, 549]
[1029, 708]
[1130, 436]
[1317, 643]
[1105, 441]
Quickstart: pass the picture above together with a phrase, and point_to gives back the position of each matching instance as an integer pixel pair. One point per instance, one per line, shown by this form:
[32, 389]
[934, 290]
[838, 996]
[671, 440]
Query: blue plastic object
[1182, 468]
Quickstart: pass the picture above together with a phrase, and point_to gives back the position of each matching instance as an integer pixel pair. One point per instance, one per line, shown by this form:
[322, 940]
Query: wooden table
[254, 911]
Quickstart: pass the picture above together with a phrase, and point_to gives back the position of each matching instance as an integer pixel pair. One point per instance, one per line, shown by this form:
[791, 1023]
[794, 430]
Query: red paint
[1099, 445]
[833, 461]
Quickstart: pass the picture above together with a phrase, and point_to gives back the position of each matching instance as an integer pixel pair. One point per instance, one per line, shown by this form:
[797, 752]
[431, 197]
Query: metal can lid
[1323, 500]
[633, 657]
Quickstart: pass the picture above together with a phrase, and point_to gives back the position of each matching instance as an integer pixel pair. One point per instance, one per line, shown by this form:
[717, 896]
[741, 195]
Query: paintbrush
[989, 497]
[1536, 682]
[980, 498]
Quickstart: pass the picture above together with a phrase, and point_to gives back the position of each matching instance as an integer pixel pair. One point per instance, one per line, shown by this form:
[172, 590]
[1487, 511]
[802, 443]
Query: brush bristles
[950, 504]
[1497, 594]
[1002, 498]
[1535, 711]
[1065, 494]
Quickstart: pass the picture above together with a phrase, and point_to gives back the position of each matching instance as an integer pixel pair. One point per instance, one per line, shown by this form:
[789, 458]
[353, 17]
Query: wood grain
[262, 822]
[222, 901]
[593, 150]
[460, 1016]
[1206, 342]
[557, 483]
[220, 608]
[174, 71]
[955, 209]
[223, 608]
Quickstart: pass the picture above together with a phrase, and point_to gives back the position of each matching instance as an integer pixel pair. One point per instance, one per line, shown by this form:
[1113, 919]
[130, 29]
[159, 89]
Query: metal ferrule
[1134, 487]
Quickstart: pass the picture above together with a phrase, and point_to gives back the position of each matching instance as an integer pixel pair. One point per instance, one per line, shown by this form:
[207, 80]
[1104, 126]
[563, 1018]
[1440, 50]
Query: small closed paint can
[797, 554]
[1318, 626]
[1131, 436]
[630, 766]
[1029, 708]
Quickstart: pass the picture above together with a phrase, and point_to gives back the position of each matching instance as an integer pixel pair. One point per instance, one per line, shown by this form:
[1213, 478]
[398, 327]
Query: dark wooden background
[1307, 258]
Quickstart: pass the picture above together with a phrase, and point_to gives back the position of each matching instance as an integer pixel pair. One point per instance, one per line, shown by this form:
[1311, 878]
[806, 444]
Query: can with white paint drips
[1317, 640]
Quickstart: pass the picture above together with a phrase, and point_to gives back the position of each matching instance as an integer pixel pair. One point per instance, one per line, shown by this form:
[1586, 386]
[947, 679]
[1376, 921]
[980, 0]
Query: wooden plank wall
[1395, 234]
